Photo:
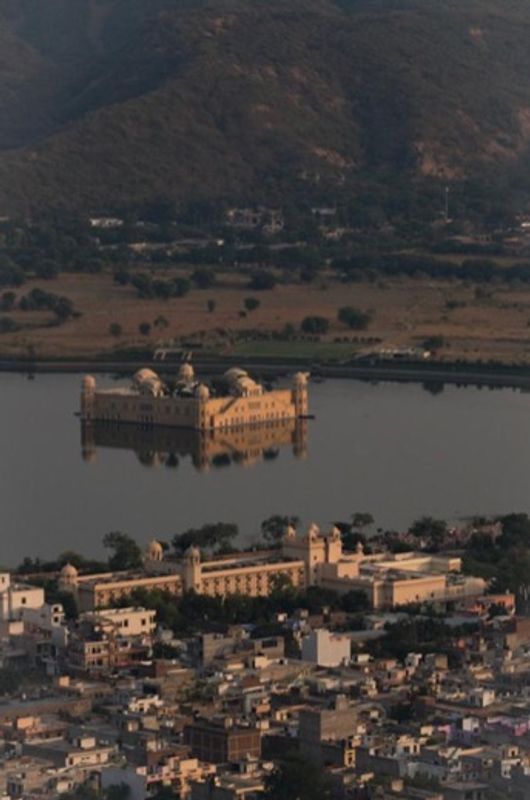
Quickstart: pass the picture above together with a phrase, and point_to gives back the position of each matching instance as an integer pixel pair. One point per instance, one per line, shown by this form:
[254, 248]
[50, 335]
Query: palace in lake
[188, 403]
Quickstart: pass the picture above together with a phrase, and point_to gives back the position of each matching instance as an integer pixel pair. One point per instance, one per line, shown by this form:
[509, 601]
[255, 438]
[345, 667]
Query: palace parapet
[187, 403]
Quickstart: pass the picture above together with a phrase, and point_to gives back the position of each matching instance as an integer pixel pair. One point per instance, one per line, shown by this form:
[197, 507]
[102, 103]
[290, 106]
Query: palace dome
[235, 374]
[155, 551]
[289, 532]
[192, 553]
[203, 393]
[144, 375]
[186, 372]
[313, 532]
[245, 386]
[300, 378]
[69, 571]
[152, 386]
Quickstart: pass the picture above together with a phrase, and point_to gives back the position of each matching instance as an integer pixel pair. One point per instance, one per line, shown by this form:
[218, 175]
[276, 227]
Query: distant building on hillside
[106, 223]
[270, 220]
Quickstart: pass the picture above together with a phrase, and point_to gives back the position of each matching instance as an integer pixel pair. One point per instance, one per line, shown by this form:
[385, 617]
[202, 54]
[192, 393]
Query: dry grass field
[488, 322]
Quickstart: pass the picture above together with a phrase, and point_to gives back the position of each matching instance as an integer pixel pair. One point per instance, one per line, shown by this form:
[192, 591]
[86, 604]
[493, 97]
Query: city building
[16, 596]
[110, 639]
[187, 403]
[174, 770]
[326, 649]
[219, 741]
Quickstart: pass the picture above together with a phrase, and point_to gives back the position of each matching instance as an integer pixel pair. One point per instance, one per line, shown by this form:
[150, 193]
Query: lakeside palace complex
[311, 558]
[188, 403]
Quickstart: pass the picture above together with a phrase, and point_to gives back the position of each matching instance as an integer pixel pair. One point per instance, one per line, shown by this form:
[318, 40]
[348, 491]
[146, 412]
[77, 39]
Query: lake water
[395, 450]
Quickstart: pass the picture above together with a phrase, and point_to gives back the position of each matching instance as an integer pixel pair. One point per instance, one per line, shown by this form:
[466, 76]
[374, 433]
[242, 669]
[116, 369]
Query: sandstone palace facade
[187, 403]
[311, 558]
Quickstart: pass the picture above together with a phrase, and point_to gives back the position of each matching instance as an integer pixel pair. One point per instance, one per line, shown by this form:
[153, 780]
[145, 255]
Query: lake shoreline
[495, 375]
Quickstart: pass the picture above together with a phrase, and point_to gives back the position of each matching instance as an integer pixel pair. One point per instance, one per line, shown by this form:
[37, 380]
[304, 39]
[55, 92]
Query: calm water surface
[395, 450]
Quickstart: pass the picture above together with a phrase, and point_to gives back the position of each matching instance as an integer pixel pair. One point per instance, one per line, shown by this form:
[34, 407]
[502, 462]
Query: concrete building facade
[326, 649]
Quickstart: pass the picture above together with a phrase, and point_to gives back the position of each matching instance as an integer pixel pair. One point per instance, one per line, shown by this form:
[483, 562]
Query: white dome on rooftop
[145, 374]
[186, 372]
[234, 374]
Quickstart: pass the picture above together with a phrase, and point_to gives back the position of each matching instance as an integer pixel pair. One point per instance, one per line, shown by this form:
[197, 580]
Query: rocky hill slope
[106, 104]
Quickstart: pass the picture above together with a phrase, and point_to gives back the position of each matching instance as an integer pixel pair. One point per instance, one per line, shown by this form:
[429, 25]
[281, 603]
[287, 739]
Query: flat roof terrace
[247, 564]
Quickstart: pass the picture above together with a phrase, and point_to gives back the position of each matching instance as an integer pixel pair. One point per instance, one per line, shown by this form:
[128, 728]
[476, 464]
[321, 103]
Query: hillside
[108, 104]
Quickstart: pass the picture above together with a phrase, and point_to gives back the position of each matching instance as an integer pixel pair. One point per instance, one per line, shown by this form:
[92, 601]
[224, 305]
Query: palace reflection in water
[160, 446]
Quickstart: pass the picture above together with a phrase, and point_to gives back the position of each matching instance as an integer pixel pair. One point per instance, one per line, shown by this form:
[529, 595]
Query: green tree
[47, 269]
[64, 309]
[297, 779]
[280, 584]
[161, 322]
[262, 280]
[433, 343]
[354, 318]
[8, 325]
[211, 536]
[251, 303]
[433, 530]
[164, 793]
[273, 528]
[121, 277]
[361, 519]
[315, 325]
[355, 600]
[515, 530]
[119, 791]
[181, 287]
[204, 278]
[7, 301]
[126, 553]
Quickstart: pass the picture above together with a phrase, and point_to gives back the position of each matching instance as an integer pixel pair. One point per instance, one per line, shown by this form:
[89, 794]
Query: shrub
[204, 278]
[433, 342]
[8, 325]
[122, 277]
[354, 318]
[262, 280]
[251, 303]
[315, 324]
[7, 301]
